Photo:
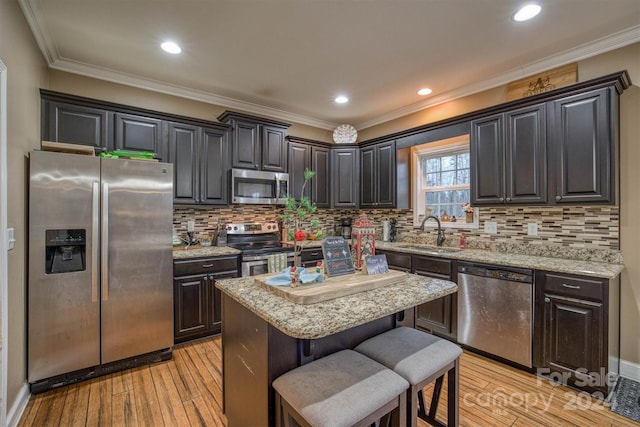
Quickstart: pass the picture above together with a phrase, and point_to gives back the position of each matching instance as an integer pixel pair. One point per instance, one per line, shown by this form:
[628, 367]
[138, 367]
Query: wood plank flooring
[187, 391]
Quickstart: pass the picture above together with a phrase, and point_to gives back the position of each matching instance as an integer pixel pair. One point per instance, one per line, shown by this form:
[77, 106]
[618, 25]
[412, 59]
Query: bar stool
[420, 358]
[342, 389]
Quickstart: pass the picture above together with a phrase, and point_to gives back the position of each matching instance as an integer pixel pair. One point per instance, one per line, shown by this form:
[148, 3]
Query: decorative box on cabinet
[378, 177]
[196, 299]
[577, 330]
[256, 143]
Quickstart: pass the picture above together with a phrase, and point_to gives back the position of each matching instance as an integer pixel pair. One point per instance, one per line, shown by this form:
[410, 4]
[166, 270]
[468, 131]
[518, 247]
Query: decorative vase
[468, 216]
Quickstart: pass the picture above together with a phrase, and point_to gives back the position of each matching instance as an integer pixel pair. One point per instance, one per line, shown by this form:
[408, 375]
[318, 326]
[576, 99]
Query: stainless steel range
[257, 241]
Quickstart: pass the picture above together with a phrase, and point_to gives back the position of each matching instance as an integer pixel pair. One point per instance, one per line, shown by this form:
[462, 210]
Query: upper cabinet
[378, 177]
[508, 152]
[560, 149]
[76, 124]
[256, 143]
[307, 154]
[584, 146]
[345, 174]
[139, 133]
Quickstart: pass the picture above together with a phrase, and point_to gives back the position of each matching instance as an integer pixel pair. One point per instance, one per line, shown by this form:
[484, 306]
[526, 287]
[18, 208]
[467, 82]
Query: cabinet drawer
[432, 265]
[204, 265]
[397, 260]
[314, 254]
[574, 286]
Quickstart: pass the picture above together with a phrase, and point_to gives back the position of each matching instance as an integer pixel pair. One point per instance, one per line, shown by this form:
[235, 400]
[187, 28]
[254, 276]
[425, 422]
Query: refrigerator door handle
[105, 241]
[95, 233]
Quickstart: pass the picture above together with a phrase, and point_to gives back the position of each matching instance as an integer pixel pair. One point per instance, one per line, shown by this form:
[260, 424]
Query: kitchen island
[265, 335]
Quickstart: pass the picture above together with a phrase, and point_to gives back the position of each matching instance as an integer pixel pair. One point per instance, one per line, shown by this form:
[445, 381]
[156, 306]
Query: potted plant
[468, 212]
[295, 213]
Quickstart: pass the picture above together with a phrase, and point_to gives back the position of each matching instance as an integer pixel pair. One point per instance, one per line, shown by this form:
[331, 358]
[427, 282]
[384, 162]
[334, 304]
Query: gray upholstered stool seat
[342, 389]
[420, 358]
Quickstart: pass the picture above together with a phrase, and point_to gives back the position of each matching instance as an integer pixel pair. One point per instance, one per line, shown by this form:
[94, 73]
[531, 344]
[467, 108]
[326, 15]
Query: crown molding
[605, 44]
[43, 39]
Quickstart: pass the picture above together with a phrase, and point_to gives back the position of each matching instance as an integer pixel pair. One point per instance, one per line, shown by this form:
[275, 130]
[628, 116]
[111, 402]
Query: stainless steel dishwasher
[495, 310]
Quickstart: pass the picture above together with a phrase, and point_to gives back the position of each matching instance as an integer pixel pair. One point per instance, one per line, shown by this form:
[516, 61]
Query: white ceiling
[288, 59]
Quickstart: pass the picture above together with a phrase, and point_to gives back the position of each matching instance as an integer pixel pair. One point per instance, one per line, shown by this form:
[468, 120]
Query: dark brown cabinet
[509, 160]
[574, 328]
[345, 173]
[378, 177]
[76, 124]
[438, 316]
[583, 141]
[303, 155]
[139, 133]
[256, 143]
[196, 299]
[199, 157]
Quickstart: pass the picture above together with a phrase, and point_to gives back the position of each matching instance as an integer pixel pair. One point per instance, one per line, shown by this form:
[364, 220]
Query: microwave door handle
[105, 241]
[95, 232]
[277, 189]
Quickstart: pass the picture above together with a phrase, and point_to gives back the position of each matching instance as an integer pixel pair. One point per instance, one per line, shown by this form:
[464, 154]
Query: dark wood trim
[120, 108]
[232, 115]
[300, 140]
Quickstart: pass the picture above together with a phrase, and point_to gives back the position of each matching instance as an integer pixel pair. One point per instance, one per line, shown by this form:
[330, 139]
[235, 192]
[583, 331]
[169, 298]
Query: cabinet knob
[558, 198]
[547, 299]
[508, 199]
[257, 166]
[502, 199]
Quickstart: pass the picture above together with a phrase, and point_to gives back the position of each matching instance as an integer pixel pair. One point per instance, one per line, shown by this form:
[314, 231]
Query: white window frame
[457, 143]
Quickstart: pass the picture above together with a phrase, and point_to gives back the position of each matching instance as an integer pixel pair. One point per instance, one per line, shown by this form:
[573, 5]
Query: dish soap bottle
[463, 242]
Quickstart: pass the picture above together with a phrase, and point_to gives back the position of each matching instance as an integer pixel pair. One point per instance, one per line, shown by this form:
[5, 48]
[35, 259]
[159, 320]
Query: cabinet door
[214, 300]
[438, 316]
[299, 160]
[583, 138]
[183, 149]
[246, 145]
[487, 160]
[190, 306]
[77, 124]
[526, 155]
[138, 133]
[368, 177]
[320, 184]
[573, 339]
[213, 167]
[345, 173]
[386, 175]
[274, 149]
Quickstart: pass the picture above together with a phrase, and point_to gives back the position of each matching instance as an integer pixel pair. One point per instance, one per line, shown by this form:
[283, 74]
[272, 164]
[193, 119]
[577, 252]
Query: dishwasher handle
[497, 272]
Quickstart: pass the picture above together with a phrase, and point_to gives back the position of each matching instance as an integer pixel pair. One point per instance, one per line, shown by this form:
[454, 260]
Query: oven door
[254, 265]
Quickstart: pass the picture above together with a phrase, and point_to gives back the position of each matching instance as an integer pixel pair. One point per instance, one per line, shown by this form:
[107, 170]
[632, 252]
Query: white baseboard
[630, 370]
[18, 407]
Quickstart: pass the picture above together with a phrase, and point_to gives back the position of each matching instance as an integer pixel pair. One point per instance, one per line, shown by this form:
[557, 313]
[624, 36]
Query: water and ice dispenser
[66, 251]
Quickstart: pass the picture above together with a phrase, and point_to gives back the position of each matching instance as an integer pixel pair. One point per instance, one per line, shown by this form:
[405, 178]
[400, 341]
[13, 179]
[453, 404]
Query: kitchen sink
[429, 249]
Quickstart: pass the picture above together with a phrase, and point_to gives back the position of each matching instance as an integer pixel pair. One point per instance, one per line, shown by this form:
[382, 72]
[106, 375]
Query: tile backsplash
[594, 227]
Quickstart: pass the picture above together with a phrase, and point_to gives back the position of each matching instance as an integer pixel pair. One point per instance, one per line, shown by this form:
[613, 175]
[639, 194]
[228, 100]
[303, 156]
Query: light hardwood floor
[187, 391]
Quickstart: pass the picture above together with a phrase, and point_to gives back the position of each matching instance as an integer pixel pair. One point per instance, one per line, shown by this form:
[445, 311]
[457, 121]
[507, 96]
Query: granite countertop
[204, 251]
[318, 320]
[603, 270]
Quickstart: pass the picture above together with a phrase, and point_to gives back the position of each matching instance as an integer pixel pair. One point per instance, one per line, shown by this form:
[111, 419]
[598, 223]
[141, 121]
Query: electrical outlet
[532, 229]
[490, 227]
[190, 226]
[11, 241]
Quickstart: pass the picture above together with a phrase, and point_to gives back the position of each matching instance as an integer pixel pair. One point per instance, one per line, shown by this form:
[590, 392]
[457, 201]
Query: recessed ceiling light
[341, 99]
[171, 47]
[424, 91]
[527, 12]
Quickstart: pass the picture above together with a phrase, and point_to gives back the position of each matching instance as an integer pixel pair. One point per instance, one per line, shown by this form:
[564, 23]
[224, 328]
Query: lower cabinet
[576, 331]
[438, 316]
[196, 299]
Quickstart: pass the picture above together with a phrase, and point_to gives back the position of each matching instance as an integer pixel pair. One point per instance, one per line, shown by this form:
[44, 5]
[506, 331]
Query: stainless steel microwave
[259, 187]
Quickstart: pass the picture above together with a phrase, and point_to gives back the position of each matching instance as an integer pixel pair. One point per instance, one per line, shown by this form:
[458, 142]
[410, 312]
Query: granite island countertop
[204, 251]
[603, 270]
[312, 321]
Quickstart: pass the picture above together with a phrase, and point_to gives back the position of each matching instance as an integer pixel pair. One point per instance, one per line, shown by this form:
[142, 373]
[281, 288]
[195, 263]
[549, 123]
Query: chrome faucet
[440, 239]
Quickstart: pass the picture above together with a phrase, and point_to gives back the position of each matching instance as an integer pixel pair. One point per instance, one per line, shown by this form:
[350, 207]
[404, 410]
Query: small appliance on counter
[346, 228]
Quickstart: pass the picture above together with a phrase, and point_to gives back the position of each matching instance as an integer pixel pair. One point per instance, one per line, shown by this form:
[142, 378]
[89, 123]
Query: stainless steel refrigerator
[100, 263]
